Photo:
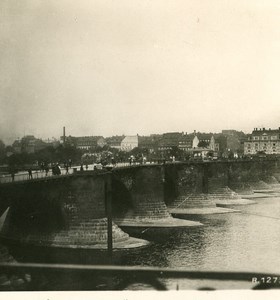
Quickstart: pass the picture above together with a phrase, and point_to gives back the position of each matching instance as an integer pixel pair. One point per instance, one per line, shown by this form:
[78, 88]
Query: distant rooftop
[130, 139]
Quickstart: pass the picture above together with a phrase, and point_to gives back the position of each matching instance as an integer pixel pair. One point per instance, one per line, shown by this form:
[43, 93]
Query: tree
[2, 151]
[203, 144]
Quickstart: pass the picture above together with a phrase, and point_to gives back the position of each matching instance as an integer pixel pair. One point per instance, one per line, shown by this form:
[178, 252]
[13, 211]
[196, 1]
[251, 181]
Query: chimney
[63, 134]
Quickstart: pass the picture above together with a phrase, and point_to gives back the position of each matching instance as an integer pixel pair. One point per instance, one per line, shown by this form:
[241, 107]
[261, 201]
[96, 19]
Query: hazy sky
[126, 67]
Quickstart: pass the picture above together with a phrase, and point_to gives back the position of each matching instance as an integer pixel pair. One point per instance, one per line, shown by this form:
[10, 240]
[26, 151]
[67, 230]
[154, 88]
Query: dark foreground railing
[126, 275]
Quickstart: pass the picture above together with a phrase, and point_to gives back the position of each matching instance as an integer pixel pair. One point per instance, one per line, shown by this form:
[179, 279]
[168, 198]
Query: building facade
[263, 141]
[28, 144]
[115, 141]
[129, 143]
[84, 142]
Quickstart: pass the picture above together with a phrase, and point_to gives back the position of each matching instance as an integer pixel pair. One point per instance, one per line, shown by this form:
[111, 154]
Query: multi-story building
[87, 142]
[115, 141]
[28, 144]
[186, 142]
[169, 140]
[150, 142]
[84, 142]
[129, 143]
[263, 141]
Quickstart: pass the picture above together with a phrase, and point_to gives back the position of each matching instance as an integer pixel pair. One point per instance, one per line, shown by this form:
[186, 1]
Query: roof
[115, 139]
[204, 136]
[265, 131]
[130, 139]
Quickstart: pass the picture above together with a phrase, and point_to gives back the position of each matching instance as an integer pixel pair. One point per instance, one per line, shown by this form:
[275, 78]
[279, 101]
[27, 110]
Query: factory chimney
[64, 135]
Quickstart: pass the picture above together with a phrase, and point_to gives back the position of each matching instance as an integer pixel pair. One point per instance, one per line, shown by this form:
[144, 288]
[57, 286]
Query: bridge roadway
[24, 176]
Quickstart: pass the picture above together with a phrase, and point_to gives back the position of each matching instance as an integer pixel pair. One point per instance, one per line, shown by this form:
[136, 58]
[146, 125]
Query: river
[243, 241]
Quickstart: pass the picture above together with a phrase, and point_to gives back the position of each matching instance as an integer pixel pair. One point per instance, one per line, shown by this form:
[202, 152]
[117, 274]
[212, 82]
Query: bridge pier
[271, 174]
[139, 195]
[63, 217]
[219, 190]
[191, 188]
[254, 176]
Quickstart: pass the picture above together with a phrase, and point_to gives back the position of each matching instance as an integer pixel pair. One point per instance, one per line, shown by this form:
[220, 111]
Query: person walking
[58, 169]
[53, 169]
[67, 169]
[13, 176]
[30, 173]
[47, 169]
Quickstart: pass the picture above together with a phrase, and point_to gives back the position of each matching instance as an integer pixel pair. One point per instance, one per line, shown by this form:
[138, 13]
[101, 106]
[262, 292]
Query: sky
[114, 67]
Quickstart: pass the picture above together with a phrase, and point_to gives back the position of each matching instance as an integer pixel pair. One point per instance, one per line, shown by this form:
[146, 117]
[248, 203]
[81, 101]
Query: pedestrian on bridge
[58, 169]
[30, 173]
[13, 176]
[47, 169]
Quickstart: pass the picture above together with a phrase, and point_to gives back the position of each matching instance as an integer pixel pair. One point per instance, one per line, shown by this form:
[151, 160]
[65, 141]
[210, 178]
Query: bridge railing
[23, 176]
[128, 275]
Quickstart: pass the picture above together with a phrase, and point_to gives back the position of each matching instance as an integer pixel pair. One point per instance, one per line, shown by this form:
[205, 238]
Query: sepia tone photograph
[139, 146]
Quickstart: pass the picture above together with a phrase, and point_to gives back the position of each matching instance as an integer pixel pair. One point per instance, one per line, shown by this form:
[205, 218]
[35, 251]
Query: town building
[28, 144]
[185, 142]
[263, 141]
[129, 143]
[88, 142]
[150, 142]
[115, 141]
[169, 140]
[203, 145]
[84, 142]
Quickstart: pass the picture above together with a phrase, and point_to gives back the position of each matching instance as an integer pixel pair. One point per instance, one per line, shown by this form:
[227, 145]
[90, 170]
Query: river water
[245, 241]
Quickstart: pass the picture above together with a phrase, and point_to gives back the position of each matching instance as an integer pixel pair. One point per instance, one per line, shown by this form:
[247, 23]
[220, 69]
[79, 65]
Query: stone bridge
[70, 211]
